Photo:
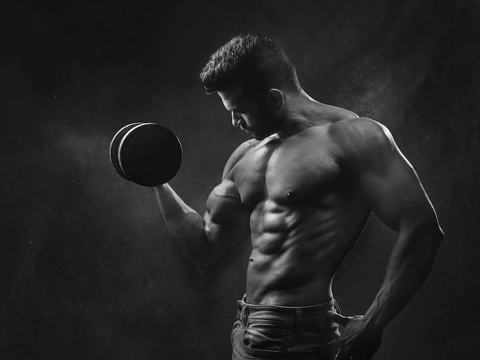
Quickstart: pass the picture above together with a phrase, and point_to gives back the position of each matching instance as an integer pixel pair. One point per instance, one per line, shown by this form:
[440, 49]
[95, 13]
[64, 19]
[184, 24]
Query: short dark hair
[252, 61]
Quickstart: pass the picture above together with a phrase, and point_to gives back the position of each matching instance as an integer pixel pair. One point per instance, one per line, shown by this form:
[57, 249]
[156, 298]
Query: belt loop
[245, 316]
[337, 307]
[299, 318]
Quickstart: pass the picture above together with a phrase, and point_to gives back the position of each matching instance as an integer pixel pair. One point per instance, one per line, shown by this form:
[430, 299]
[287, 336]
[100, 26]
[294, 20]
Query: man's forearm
[183, 223]
[409, 265]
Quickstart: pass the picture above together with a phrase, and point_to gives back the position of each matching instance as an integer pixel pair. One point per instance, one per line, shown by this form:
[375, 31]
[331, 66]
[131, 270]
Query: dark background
[87, 270]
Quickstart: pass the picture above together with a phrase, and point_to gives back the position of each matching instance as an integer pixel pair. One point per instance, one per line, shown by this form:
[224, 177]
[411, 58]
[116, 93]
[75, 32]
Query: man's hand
[357, 341]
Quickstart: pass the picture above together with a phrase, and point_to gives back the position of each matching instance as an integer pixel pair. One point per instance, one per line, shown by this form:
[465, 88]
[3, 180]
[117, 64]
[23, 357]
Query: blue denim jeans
[284, 332]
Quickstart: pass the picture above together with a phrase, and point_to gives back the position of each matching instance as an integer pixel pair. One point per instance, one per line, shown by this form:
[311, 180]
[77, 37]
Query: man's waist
[285, 314]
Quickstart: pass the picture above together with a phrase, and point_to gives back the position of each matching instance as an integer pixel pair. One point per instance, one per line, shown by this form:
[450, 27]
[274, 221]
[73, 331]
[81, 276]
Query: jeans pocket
[265, 338]
[235, 327]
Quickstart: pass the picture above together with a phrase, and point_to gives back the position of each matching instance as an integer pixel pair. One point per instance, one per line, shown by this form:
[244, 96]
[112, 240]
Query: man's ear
[276, 100]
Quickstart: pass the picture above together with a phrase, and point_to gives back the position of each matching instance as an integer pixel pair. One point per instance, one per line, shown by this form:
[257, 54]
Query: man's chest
[298, 169]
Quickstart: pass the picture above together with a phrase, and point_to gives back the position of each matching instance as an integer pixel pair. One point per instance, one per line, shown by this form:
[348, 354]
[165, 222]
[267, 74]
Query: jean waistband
[287, 314]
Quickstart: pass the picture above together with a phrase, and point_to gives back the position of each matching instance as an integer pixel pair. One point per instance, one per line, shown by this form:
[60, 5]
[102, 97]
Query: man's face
[250, 115]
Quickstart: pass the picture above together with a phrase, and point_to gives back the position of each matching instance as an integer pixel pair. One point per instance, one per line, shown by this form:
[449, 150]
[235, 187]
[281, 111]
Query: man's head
[251, 74]
[252, 61]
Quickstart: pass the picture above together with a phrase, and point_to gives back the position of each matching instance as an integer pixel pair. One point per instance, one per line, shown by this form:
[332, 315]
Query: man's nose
[236, 119]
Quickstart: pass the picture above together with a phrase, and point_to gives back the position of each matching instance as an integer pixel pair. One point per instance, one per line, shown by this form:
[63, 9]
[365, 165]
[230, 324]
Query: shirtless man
[302, 191]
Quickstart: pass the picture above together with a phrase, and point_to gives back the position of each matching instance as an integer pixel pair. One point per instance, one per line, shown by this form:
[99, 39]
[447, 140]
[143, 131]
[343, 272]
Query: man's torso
[306, 215]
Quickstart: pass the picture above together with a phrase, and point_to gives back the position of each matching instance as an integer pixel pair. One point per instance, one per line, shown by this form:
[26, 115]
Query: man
[302, 190]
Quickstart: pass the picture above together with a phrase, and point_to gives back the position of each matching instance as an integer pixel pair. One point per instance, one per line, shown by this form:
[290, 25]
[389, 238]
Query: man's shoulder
[242, 149]
[239, 152]
[356, 127]
[361, 137]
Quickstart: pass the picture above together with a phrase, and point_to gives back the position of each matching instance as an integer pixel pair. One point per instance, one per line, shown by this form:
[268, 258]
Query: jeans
[284, 332]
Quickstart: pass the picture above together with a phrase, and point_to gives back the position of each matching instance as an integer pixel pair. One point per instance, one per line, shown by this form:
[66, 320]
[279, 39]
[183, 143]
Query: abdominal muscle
[295, 253]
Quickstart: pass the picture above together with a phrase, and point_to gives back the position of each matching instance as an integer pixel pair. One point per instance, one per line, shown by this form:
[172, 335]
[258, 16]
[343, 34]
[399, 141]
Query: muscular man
[302, 191]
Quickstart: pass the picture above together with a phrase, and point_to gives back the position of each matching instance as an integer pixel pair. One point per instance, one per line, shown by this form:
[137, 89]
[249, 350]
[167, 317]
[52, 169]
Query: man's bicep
[393, 190]
[225, 217]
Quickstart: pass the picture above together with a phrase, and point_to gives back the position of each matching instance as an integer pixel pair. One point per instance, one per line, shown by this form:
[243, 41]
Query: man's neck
[299, 113]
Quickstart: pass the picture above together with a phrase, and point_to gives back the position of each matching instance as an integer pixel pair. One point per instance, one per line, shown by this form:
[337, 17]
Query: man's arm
[392, 189]
[204, 240]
